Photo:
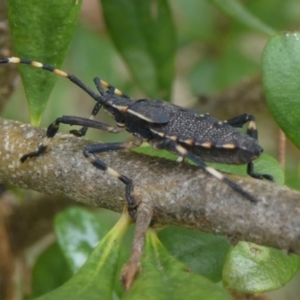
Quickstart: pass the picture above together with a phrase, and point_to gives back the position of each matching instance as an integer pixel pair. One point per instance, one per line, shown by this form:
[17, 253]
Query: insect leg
[82, 131]
[251, 131]
[70, 120]
[183, 152]
[90, 151]
[111, 90]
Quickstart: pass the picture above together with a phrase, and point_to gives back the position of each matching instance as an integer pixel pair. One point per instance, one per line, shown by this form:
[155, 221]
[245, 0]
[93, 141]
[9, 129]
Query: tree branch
[180, 194]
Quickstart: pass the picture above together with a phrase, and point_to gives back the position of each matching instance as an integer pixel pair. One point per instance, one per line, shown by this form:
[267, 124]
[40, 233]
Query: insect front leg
[100, 84]
[70, 120]
[252, 132]
[82, 131]
[90, 151]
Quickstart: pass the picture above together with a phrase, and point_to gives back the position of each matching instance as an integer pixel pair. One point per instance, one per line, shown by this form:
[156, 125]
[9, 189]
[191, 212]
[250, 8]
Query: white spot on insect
[173, 137]
[228, 146]
[189, 142]
[36, 64]
[220, 122]
[214, 172]
[118, 92]
[201, 115]
[14, 60]
[121, 108]
[139, 115]
[46, 141]
[182, 151]
[252, 125]
[157, 132]
[60, 73]
[112, 172]
[206, 145]
[107, 85]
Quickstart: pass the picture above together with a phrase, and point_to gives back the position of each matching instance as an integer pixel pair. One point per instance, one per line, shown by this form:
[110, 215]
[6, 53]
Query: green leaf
[95, 279]
[265, 164]
[163, 277]
[49, 272]
[201, 252]
[144, 34]
[250, 268]
[234, 9]
[281, 69]
[78, 232]
[41, 31]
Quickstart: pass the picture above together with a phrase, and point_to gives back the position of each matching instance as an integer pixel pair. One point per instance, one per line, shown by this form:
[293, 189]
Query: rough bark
[179, 193]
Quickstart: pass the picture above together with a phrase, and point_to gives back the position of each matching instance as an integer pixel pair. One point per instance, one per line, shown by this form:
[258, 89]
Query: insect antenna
[100, 84]
[72, 78]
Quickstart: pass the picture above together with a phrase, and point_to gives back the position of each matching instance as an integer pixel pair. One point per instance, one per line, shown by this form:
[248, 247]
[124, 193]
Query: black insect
[164, 126]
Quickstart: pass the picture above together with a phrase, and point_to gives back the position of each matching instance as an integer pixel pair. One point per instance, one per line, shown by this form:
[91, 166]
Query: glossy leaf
[163, 277]
[95, 279]
[144, 34]
[41, 31]
[78, 232]
[201, 252]
[49, 272]
[250, 268]
[281, 69]
[234, 9]
[265, 164]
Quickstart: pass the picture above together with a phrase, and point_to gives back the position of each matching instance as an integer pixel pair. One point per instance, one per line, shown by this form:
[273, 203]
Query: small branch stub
[144, 216]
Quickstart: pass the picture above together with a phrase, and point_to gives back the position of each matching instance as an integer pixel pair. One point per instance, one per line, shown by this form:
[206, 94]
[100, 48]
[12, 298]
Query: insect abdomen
[226, 156]
[209, 139]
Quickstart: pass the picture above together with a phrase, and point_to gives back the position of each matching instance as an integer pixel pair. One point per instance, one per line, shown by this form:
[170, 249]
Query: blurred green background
[214, 54]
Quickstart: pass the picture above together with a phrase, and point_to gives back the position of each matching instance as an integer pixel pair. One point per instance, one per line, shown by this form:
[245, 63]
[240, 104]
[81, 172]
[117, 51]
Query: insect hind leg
[180, 150]
[252, 132]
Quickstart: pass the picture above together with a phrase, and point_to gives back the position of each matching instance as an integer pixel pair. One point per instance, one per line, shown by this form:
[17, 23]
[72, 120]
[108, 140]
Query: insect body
[164, 126]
